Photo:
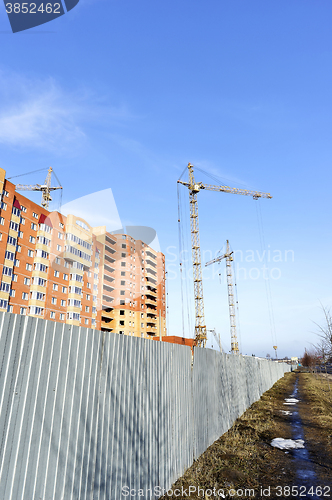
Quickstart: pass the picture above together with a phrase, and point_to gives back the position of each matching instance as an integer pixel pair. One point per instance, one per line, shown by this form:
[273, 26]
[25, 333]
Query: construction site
[80, 307]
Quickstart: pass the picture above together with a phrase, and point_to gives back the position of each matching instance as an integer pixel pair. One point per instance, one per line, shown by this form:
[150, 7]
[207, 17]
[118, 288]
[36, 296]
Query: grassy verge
[243, 458]
[316, 414]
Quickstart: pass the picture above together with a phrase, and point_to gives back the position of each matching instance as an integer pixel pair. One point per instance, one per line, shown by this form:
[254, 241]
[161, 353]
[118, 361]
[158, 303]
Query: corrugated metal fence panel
[85, 413]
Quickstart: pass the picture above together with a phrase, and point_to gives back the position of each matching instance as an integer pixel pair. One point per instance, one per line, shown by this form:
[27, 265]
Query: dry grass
[239, 458]
[317, 395]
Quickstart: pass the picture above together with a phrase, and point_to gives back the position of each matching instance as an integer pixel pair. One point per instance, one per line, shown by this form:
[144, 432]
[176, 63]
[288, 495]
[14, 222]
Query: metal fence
[86, 415]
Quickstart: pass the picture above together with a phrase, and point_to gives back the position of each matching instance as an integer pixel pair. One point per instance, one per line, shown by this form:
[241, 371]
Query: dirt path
[243, 464]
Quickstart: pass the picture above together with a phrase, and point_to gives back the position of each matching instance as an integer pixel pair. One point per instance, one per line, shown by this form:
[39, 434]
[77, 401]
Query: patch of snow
[284, 412]
[287, 444]
[291, 400]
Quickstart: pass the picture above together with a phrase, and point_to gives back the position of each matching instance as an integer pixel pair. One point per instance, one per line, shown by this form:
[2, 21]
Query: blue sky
[123, 94]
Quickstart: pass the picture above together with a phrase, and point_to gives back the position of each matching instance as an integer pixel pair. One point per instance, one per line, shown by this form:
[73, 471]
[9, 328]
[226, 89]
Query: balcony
[151, 301]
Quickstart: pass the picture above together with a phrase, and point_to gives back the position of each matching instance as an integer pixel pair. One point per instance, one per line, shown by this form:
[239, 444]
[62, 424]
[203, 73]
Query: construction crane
[217, 337]
[229, 259]
[194, 188]
[45, 188]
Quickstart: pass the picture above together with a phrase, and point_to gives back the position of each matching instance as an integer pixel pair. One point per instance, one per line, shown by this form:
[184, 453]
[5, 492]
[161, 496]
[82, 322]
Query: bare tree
[309, 360]
[324, 346]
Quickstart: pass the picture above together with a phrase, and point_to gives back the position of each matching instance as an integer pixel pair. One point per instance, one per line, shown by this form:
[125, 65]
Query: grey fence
[87, 415]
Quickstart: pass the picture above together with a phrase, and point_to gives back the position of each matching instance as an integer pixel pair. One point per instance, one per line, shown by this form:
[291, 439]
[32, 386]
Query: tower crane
[194, 188]
[45, 188]
[229, 259]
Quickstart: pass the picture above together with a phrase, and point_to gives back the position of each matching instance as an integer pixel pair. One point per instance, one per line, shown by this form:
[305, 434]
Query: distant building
[60, 268]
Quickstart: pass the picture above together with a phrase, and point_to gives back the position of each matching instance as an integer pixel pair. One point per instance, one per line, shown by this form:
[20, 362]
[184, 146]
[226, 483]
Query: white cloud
[40, 114]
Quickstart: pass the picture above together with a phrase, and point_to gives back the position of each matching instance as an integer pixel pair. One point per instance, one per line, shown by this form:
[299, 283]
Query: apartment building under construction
[60, 268]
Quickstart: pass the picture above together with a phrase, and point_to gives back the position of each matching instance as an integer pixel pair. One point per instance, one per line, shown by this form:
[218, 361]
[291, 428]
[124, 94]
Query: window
[12, 293]
[123, 283]
[142, 325]
[74, 316]
[40, 267]
[33, 226]
[87, 296]
[62, 316]
[38, 281]
[5, 193]
[93, 322]
[30, 253]
[123, 273]
[11, 241]
[57, 260]
[28, 267]
[10, 309]
[20, 234]
[56, 274]
[122, 323]
[18, 249]
[25, 296]
[15, 277]
[23, 221]
[27, 281]
[35, 215]
[94, 310]
[65, 276]
[86, 321]
[16, 263]
[94, 298]
[59, 248]
[122, 292]
[52, 315]
[44, 241]
[9, 255]
[123, 236]
[60, 236]
[23, 311]
[76, 277]
[3, 304]
[55, 287]
[88, 285]
[123, 264]
[123, 255]
[74, 302]
[32, 239]
[66, 264]
[122, 302]
[64, 289]
[37, 296]
[95, 287]
[42, 253]
[7, 271]
[142, 315]
[4, 206]
[61, 225]
[24, 209]
[37, 311]
[54, 300]
[63, 303]
[13, 226]
[123, 245]
[75, 289]
[2, 221]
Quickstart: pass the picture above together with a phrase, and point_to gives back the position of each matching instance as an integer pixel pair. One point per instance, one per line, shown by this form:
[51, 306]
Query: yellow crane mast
[231, 302]
[45, 188]
[194, 188]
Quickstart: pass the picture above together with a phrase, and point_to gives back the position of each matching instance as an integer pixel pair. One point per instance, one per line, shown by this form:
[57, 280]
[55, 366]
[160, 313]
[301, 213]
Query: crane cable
[180, 255]
[267, 281]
